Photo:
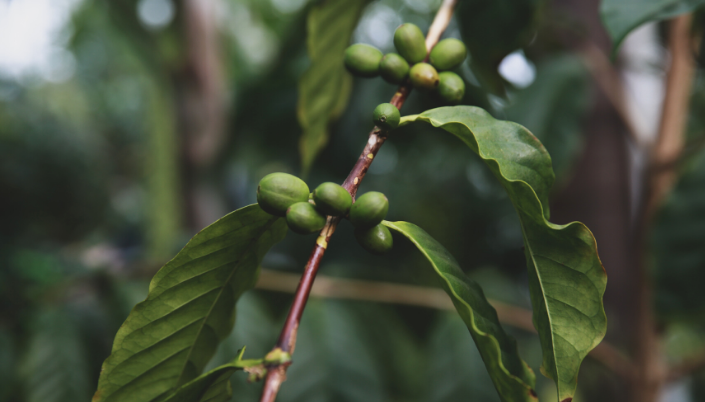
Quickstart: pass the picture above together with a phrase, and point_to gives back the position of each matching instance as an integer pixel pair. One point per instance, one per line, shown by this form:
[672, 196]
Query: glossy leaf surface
[566, 278]
[325, 87]
[622, 16]
[512, 378]
[167, 339]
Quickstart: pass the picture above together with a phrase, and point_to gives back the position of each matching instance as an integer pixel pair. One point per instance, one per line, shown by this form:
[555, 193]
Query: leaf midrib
[544, 298]
[480, 153]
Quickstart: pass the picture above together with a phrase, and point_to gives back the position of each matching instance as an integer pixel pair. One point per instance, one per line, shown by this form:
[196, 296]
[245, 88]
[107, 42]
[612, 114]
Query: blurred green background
[127, 126]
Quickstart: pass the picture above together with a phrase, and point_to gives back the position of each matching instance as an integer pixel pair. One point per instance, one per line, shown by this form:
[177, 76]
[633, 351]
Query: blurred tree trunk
[599, 195]
[202, 106]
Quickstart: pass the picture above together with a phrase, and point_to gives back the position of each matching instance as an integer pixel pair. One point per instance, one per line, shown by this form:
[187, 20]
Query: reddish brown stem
[287, 339]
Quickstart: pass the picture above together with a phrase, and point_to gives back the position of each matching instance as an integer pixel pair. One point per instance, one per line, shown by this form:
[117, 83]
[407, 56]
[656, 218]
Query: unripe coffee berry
[332, 199]
[363, 60]
[303, 218]
[369, 209]
[278, 191]
[410, 43]
[386, 116]
[393, 68]
[424, 76]
[376, 240]
[451, 87]
[448, 54]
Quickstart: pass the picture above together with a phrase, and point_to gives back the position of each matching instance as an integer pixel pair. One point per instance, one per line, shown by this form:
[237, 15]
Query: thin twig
[287, 338]
[421, 296]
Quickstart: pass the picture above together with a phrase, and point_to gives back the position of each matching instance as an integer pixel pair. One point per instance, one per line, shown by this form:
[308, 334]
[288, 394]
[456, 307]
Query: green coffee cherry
[363, 60]
[386, 116]
[451, 87]
[303, 218]
[424, 76]
[278, 191]
[332, 199]
[410, 42]
[377, 239]
[393, 68]
[448, 54]
[369, 209]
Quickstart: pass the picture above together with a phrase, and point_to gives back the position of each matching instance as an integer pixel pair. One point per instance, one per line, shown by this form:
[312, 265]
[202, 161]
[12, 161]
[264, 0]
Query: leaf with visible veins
[168, 338]
[511, 376]
[566, 278]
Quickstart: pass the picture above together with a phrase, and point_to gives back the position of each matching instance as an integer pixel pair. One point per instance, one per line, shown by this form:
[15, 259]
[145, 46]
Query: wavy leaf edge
[565, 395]
[456, 297]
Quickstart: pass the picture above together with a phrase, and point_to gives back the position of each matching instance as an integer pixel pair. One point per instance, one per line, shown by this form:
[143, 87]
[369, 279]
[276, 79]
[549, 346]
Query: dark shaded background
[156, 131]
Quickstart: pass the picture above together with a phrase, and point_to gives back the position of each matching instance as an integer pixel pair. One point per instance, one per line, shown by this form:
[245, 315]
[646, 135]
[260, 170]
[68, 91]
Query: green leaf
[566, 278]
[512, 378]
[325, 87]
[212, 386]
[167, 339]
[622, 16]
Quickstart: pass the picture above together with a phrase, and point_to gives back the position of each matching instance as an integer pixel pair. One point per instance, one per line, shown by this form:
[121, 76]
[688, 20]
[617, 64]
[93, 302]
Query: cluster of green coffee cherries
[282, 194]
[367, 61]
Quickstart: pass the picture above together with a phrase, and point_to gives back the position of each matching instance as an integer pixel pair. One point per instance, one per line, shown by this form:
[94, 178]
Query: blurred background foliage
[152, 118]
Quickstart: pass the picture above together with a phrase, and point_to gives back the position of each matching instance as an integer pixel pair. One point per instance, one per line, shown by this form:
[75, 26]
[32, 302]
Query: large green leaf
[212, 386]
[566, 278]
[325, 87]
[512, 378]
[622, 16]
[167, 339]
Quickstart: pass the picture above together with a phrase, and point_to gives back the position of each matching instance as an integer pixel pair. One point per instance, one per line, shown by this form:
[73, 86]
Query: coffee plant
[162, 348]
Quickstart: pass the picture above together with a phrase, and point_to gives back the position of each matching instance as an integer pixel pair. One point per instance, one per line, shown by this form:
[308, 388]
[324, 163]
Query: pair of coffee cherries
[285, 195]
[367, 61]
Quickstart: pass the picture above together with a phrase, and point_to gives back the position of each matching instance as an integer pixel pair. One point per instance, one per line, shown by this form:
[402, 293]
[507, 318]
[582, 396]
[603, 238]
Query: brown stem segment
[287, 339]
